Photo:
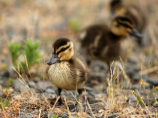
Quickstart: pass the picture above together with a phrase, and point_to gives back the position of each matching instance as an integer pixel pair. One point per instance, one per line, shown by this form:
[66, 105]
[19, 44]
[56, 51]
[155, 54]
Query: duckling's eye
[63, 49]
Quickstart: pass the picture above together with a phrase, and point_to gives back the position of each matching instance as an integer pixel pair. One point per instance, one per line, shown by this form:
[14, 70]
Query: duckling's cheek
[123, 31]
[60, 55]
[129, 30]
[63, 56]
[67, 55]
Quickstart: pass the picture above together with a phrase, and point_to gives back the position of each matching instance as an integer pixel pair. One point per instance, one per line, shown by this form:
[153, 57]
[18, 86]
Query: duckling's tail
[82, 35]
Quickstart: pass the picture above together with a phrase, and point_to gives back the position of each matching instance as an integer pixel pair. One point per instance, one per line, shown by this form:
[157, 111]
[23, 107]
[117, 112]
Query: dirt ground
[104, 96]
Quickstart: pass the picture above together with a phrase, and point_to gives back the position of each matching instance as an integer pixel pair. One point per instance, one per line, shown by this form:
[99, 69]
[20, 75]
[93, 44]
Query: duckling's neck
[70, 60]
[116, 37]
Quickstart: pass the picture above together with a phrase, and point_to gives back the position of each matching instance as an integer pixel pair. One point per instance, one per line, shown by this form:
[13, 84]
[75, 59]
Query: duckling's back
[99, 43]
[92, 34]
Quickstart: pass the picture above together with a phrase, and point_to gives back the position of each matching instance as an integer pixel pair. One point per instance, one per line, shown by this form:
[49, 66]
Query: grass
[74, 25]
[54, 116]
[10, 82]
[115, 101]
[14, 50]
[112, 103]
[29, 50]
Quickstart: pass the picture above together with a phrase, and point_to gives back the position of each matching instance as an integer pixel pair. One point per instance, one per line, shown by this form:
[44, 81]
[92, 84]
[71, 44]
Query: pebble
[91, 100]
[10, 72]
[132, 98]
[1, 82]
[36, 79]
[50, 90]
[20, 86]
[63, 115]
[145, 77]
[1, 92]
[98, 116]
[25, 116]
[136, 77]
[155, 106]
[32, 84]
[48, 95]
[133, 59]
[113, 116]
[10, 31]
[152, 81]
[42, 86]
[135, 86]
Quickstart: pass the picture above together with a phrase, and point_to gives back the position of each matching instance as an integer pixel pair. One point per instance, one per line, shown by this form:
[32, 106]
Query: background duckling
[132, 11]
[100, 42]
[65, 70]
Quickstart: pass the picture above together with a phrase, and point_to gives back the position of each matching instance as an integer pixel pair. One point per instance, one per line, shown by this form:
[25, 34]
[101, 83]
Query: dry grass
[31, 103]
[48, 14]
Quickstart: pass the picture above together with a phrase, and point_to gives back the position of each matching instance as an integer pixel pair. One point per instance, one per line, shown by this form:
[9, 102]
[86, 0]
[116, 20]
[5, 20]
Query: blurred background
[48, 20]
[43, 21]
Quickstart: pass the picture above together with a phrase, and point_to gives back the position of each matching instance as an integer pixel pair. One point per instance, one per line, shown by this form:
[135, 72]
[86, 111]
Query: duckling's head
[123, 26]
[115, 5]
[62, 50]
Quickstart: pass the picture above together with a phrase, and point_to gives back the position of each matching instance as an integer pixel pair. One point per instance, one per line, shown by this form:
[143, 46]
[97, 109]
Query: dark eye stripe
[63, 49]
[125, 25]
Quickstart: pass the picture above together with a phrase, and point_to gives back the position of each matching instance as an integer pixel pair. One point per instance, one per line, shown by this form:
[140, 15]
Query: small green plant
[14, 50]
[139, 99]
[32, 53]
[4, 103]
[42, 76]
[54, 116]
[10, 82]
[74, 25]
[30, 50]
[3, 66]
[154, 91]
[6, 91]
[143, 86]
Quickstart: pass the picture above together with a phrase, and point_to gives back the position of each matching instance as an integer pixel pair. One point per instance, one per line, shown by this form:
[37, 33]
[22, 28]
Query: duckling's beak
[136, 33]
[112, 14]
[53, 60]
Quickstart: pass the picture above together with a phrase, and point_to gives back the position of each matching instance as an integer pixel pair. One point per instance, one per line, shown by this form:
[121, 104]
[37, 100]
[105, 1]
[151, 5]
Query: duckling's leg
[88, 62]
[60, 100]
[80, 95]
[80, 100]
[109, 66]
[80, 91]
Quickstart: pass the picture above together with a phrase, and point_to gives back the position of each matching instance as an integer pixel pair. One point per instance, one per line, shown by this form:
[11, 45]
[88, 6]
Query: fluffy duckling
[100, 42]
[65, 70]
[133, 12]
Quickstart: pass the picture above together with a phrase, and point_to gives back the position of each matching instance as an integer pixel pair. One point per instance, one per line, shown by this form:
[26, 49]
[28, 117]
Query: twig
[39, 113]
[153, 39]
[150, 70]
[67, 107]
[55, 102]
[90, 109]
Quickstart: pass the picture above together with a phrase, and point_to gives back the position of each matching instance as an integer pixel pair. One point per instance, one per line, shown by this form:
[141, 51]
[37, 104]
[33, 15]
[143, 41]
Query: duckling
[66, 71]
[100, 42]
[133, 12]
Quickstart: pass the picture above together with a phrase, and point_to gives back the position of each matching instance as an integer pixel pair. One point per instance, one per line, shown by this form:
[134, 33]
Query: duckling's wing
[79, 70]
[91, 34]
